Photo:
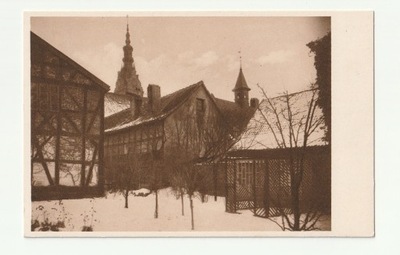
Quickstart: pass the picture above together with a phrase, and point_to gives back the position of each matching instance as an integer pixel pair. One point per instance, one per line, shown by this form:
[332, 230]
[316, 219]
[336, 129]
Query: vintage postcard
[198, 124]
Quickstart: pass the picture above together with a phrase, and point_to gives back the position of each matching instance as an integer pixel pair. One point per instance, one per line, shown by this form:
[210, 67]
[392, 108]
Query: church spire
[241, 90]
[128, 59]
[128, 80]
[128, 36]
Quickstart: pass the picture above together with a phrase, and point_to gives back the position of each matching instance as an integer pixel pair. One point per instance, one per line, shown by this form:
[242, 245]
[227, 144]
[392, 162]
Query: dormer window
[200, 106]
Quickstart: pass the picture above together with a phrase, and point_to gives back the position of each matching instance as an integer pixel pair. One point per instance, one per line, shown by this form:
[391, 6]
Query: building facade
[157, 125]
[67, 126]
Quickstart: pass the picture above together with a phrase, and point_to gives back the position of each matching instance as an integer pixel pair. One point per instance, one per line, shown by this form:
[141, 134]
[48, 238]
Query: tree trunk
[126, 198]
[296, 209]
[156, 209]
[202, 195]
[183, 205]
[215, 178]
[191, 210]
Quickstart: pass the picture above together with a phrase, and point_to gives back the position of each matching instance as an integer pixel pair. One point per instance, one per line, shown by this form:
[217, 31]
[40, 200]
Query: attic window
[200, 107]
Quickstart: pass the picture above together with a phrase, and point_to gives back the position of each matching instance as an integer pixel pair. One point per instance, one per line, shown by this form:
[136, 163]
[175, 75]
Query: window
[200, 106]
[125, 149]
[143, 148]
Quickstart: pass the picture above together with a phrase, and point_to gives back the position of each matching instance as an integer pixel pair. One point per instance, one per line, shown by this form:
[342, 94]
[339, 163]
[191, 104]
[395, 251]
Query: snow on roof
[124, 119]
[118, 115]
[114, 103]
[265, 130]
[135, 122]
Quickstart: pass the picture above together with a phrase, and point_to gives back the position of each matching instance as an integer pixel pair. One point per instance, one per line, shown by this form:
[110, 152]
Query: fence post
[254, 188]
[215, 180]
[234, 186]
[266, 189]
[226, 185]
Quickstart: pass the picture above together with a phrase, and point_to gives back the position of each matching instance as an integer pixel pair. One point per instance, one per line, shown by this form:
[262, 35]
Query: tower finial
[240, 58]
[128, 39]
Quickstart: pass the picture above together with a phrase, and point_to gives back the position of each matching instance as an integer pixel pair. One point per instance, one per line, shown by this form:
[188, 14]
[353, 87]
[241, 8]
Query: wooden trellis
[67, 123]
[260, 181]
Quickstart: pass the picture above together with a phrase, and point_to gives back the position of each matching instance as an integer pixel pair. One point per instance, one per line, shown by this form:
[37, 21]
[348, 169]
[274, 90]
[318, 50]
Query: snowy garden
[108, 214]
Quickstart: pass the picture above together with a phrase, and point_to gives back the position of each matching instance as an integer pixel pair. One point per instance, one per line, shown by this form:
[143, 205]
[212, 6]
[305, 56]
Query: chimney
[136, 105]
[254, 102]
[154, 95]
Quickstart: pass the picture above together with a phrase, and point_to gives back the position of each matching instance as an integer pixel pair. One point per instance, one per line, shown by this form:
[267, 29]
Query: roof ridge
[168, 107]
[185, 88]
[291, 94]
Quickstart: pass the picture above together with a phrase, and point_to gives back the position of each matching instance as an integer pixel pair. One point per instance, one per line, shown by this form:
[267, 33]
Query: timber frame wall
[67, 126]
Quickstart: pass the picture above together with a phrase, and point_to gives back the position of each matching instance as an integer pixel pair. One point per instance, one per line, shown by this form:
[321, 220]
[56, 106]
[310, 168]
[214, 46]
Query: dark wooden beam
[65, 161]
[83, 126]
[74, 99]
[73, 124]
[90, 174]
[41, 160]
[100, 170]
[97, 112]
[69, 83]
[58, 136]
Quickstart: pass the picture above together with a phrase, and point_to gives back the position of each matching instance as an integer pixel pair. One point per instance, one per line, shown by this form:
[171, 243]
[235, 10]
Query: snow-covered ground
[109, 214]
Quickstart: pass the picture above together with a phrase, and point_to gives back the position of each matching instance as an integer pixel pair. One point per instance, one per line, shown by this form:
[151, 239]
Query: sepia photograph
[174, 124]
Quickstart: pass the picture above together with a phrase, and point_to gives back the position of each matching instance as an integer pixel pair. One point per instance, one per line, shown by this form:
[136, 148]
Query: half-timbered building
[67, 126]
[136, 125]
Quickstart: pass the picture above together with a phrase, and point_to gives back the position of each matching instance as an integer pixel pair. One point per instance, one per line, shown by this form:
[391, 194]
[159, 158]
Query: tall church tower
[128, 82]
[241, 90]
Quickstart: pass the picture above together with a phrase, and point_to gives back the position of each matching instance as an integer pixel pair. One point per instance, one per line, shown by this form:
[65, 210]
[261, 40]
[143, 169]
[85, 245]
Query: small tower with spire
[128, 82]
[241, 90]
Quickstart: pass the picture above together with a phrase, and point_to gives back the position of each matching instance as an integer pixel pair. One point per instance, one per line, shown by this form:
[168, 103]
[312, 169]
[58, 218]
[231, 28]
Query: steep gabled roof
[171, 101]
[124, 119]
[114, 103]
[35, 39]
[236, 116]
[259, 135]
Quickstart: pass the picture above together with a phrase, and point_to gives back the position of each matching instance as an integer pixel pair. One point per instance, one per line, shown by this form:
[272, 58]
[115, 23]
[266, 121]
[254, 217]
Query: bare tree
[155, 162]
[197, 140]
[124, 173]
[293, 124]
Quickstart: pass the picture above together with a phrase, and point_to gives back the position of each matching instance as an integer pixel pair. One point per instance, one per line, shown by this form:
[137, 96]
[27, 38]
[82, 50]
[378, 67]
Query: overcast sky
[175, 52]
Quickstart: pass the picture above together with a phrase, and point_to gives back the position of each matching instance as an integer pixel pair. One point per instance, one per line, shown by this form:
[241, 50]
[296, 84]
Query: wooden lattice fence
[261, 181]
